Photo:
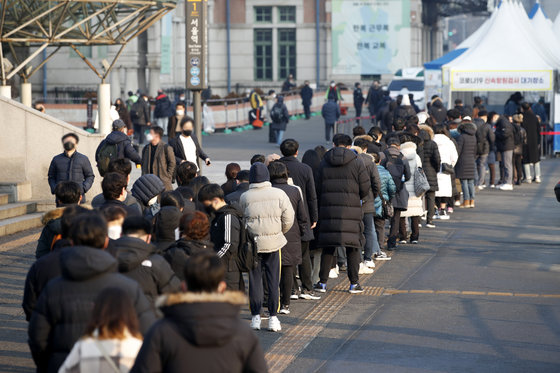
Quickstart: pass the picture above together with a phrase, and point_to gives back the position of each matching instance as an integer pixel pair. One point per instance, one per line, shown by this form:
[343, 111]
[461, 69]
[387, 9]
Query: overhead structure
[72, 23]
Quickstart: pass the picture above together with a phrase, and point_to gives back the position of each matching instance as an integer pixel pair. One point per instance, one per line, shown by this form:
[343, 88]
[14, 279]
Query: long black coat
[343, 182]
[504, 135]
[431, 161]
[64, 307]
[531, 151]
[302, 175]
[201, 332]
[75, 168]
[138, 261]
[368, 203]
[291, 252]
[306, 95]
[179, 151]
[466, 148]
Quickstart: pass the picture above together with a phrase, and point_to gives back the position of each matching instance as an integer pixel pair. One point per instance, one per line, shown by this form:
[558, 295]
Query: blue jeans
[279, 136]
[468, 189]
[481, 165]
[372, 245]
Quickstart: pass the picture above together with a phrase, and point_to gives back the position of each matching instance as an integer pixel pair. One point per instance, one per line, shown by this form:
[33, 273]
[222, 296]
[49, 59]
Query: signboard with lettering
[197, 50]
[475, 81]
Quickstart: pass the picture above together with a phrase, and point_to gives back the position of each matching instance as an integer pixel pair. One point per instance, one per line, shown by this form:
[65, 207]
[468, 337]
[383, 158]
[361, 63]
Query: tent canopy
[446, 58]
[507, 58]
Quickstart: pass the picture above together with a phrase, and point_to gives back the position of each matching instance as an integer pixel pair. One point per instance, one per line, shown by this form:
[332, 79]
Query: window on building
[287, 14]
[263, 14]
[286, 53]
[263, 54]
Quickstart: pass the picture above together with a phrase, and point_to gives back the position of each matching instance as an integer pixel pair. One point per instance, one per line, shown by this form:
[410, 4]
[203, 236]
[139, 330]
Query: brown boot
[464, 205]
[471, 203]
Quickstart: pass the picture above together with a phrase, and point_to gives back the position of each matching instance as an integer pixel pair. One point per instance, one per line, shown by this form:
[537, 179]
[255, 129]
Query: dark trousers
[394, 231]
[269, 266]
[234, 281]
[430, 206]
[414, 223]
[271, 134]
[139, 132]
[305, 267]
[358, 113]
[329, 128]
[286, 284]
[517, 167]
[353, 256]
[307, 111]
[380, 230]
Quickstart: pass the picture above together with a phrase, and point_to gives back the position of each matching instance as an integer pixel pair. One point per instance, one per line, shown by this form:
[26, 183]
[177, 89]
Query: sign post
[196, 17]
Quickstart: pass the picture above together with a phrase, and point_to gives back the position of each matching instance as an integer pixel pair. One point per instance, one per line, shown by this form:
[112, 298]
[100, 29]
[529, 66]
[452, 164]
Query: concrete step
[20, 223]
[4, 199]
[12, 210]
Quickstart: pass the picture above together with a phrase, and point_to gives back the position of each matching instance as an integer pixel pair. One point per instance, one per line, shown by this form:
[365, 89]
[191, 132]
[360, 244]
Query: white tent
[539, 28]
[556, 26]
[506, 59]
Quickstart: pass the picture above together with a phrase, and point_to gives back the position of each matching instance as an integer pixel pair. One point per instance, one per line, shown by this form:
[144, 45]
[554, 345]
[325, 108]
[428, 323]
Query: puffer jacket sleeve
[311, 194]
[131, 153]
[88, 174]
[302, 216]
[255, 362]
[30, 292]
[375, 181]
[391, 187]
[149, 357]
[52, 175]
[435, 159]
[288, 214]
[39, 331]
[407, 174]
[363, 178]
[164, 277]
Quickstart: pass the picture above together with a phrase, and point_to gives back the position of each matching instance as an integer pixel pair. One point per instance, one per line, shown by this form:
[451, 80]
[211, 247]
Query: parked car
[409, 80]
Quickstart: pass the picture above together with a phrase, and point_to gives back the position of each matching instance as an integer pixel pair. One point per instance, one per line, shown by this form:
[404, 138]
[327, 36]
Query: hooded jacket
[163, 164]
[504, 135]
[138, 261]
[178, 254]
[485, 139]
[201, 332]
[388, 190]
[51, 229]
[368, 203]
[74, 168]
[437, 111]
[398, 167]
[124, 147]
[65, 305]
[166, 224]
[291, 252]
[343, 182]
[466, 149]
[448, 154]
[414, 206]
[431, 161]
[147, 187]
[302, 175]
[282, 124]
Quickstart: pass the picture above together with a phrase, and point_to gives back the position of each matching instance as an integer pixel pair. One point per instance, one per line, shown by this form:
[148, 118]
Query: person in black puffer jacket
[437, 110]
[292, 251]
[343, 182]
[505, 143]
[431, 164]
[146, 190]
[465, 169]
[65, 305]
[120, 138]
[138, 260]
[166, 221]
[48, 267]
[195, 229]
[485, 139]
[201, 330]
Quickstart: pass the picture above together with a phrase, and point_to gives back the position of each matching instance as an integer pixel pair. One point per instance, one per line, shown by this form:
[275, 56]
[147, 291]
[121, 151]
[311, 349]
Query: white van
[409, 80]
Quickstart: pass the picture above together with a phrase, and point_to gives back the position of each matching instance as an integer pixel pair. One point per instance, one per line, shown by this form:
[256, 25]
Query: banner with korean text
[370, 36]
[481, 81]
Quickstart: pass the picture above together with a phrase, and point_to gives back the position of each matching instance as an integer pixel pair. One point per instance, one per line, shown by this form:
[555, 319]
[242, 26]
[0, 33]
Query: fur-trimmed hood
[365, 137]
[428, 129]
[204, 319]
[52, 215]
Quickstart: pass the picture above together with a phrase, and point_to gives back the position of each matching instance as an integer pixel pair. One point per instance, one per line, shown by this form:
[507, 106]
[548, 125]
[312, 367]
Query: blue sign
[195, 80]
[195, 71]
[195, 61]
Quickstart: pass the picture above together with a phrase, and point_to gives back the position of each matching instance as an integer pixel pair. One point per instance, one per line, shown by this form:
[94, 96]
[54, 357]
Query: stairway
[17, 216]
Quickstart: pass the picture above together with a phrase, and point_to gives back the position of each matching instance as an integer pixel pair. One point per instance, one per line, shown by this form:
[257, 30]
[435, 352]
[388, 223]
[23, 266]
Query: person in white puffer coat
[448, 155]
[415, 207]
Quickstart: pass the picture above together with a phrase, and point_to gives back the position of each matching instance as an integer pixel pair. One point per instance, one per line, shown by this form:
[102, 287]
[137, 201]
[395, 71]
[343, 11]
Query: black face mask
[69, 146]
[187, 132]
[209, 209]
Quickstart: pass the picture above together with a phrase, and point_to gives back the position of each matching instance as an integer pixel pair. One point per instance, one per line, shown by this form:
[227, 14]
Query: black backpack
[277, 113]
[395, 166]
[517, 135]
[136, 110]
[107, 152]
[247, 255]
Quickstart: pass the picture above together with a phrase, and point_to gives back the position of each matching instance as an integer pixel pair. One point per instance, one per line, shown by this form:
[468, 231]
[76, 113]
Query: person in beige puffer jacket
[267, 215]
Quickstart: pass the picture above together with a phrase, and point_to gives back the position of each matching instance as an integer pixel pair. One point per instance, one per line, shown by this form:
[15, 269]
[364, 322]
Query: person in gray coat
[330, 113]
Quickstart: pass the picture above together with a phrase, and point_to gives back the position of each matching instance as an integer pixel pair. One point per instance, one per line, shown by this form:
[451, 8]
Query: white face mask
[114, 232]
[180, 113]
[332, 85]
[149, 137]
[177, 234]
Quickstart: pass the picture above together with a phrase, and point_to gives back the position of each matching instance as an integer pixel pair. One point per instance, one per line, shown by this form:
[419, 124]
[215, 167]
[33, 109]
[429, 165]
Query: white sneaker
[274, 324]
[382, 256]
[538, 180]
[369, 263]
[256, 322]
[364, 270]
[333, 274]
[337, 269]
[506, 187]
